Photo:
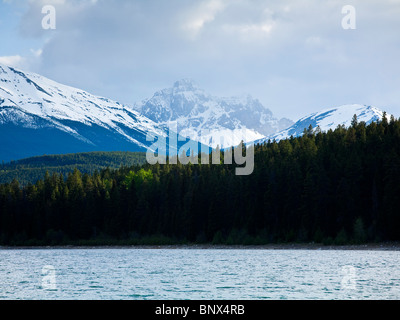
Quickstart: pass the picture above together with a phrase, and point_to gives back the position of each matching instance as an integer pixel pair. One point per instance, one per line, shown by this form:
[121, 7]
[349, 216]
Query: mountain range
[40, 116]
[211, 120]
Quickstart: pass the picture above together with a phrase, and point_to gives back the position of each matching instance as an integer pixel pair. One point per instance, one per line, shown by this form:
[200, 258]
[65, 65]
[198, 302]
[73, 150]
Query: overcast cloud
[294, 56]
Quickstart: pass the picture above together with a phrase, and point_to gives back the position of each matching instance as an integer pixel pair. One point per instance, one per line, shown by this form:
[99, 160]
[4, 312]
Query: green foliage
[138, 178]
[337, 187]
[33, 169]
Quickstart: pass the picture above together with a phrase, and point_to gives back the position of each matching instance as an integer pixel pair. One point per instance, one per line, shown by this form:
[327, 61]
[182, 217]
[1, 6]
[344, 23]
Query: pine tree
[354, 121]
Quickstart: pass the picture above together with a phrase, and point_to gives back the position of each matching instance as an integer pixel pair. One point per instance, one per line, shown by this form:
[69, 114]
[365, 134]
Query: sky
[294, 56]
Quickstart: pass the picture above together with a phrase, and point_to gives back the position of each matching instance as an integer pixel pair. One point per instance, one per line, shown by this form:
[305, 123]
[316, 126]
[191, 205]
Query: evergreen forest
[335, 187]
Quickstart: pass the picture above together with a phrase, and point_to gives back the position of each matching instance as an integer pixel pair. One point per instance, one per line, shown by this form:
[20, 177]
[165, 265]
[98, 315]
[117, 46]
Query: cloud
[292, 55]
[30, 62]
[14, 61]
[203, 13]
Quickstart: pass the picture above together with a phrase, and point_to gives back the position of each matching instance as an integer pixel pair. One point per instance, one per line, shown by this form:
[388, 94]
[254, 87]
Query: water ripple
[198, 274]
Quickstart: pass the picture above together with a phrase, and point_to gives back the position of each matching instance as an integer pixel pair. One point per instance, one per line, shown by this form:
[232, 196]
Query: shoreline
[289, 246]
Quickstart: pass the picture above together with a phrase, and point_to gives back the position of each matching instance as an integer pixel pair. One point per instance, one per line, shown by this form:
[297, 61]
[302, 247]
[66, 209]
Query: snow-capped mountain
[329, 119]
[40, 116]
[209, 119]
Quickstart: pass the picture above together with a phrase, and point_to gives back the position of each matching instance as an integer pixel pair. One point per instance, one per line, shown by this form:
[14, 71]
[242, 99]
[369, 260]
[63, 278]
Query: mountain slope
[328, 119]
[209, 119]
[40, 116]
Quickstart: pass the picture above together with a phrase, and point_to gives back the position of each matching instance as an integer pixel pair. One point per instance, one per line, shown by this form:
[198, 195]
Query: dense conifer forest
[338, 187]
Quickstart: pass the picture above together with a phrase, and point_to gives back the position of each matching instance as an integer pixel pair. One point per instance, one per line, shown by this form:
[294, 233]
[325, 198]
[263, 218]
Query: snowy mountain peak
[81, 120]
[185, 85]
[211, 119]
[329, 118]
[42, 97]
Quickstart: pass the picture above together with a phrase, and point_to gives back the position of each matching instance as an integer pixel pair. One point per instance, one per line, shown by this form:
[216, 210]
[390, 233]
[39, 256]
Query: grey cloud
[292, 55]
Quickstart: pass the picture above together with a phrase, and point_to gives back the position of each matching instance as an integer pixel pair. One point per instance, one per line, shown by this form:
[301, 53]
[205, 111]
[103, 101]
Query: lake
[197, 274]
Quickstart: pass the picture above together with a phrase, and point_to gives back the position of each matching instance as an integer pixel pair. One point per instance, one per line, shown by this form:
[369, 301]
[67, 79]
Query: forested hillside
[337, 187]
[32, 169]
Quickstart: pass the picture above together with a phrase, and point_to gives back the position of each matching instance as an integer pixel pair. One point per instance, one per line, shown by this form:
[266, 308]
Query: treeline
[33, 169]
[337, 187]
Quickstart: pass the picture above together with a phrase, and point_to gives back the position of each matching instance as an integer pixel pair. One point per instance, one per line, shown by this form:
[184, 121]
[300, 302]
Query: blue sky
[294, 56]
[10, 17]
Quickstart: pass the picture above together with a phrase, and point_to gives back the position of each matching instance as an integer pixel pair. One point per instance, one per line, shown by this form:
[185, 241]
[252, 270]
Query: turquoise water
[123, 274]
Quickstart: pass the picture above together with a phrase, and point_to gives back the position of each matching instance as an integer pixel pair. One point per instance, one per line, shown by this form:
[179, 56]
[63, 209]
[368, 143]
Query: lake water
[203, 274]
